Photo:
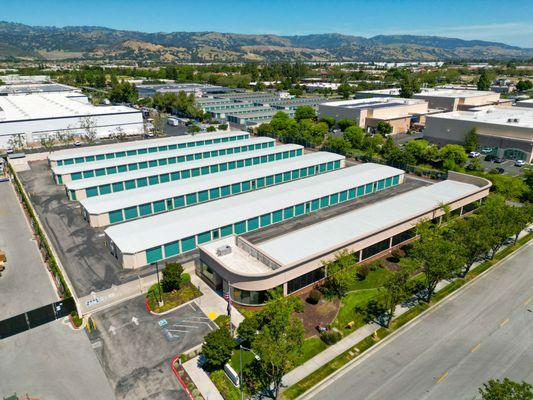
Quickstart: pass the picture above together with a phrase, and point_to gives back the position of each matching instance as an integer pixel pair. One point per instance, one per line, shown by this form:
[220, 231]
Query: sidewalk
[202, 381]
[212, 304]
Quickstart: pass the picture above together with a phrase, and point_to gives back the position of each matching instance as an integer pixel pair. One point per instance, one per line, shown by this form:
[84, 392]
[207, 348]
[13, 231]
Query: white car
[473, 154]
[77, 143]
[486, 150]
[519, 163]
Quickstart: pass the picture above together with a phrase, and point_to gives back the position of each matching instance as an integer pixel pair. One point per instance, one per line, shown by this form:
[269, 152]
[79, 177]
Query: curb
[360, 358]
[182, 383]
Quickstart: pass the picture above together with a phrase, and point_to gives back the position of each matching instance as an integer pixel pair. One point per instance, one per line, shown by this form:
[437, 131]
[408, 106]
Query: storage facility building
[144, 241]
[67, 173]
[295, 260]
[124, 206]
[138, 147]
[106, 184]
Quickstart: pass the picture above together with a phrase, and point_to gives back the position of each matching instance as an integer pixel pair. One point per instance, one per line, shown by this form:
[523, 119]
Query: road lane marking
[505, 321]
[442, 377]
[528, 301]
[475, 348]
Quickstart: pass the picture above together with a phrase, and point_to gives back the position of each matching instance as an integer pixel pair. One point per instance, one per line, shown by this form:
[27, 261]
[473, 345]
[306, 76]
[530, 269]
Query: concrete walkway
[212, 304]
[202, 381]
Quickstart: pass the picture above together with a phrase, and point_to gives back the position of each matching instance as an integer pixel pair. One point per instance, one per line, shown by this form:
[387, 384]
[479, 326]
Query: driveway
[25, 284]
[135, 347]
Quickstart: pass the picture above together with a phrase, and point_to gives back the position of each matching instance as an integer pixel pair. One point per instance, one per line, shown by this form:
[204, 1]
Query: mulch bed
[314, 314]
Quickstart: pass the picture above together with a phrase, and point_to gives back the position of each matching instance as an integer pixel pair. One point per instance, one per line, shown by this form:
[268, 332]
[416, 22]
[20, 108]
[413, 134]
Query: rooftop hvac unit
[516, 120]
[509, 120]
[223, 250]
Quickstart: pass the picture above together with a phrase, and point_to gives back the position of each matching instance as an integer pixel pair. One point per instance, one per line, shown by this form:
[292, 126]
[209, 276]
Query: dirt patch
[322, 313]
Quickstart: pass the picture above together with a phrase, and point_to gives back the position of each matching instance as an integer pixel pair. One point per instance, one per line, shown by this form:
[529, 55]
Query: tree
[439, 257]
[88, 125]
[171, 277]
[217, 348]
[247, 330]
[409, 85]
[355, 135]
[495, 214]
[384, 128]
[510, 187]
[278, 344]
[372, 144]
[211, 128]
[519, 218]
[506, 389]
[223, 127]
[485, 80]
[471, 141]
[345, 123]
[345, 90]
[522, 86]
[304, 112]
[48, 142]
[453, 156]
[337, 145]
[119, 134]
[338, 274]
[193, 128]
[330, 121]
[395, 290]
[123, 92]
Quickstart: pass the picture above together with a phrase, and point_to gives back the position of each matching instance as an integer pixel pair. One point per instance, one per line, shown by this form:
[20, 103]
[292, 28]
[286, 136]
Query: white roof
[119, 200]
[22, 107]
[142, 173]
[462, 93]
[87, 166]
[498, 115]
[323, 237]
[139, 235]
[138, 144]
[373, 102]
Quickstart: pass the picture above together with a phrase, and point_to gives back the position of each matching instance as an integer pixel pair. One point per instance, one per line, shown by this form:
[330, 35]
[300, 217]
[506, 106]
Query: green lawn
[186, 292]
[347, 310]
[225, 386]
[374, 279]
[310, 348]
[247, 357]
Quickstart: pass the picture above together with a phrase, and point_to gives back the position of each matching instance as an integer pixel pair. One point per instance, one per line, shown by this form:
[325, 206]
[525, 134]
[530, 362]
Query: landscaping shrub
[211, 129]
[331, 337]
[314, 296]
[398, 253]
[185, 278]
[217, 348]
[223, 127]
[222, 321]
[362, 272]
[171, 277]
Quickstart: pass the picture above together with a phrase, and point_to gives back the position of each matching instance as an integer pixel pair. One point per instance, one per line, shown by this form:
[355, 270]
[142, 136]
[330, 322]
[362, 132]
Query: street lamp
[160, 301]
[240, 358]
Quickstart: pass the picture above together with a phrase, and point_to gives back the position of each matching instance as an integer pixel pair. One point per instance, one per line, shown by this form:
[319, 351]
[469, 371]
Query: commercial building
[67, 173]
[401, 114]
[368, 94]
[240, 110]
[124, 206]
[525, 103]
[144, 241]
[295, 260]
[459, 99]
[32, 117]
[138, 147]
[6, 90]
[293, 104]
[507, 131]
[196, 88]
[106, 184]
[254, 118]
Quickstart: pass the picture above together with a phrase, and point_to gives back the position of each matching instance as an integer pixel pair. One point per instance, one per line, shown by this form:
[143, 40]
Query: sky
[507, 21]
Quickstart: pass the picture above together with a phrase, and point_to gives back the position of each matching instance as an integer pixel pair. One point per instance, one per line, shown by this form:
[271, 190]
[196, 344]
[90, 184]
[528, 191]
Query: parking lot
[135, 348]
[507, 165]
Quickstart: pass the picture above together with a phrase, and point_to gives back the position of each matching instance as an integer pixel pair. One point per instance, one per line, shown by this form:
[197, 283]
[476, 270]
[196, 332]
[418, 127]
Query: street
[480, 333]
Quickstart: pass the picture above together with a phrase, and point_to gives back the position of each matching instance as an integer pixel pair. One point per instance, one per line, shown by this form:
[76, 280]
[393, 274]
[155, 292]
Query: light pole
[240, 360]
[160, 301]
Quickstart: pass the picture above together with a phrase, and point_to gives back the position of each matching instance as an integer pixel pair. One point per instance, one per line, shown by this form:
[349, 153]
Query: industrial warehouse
[251, 214]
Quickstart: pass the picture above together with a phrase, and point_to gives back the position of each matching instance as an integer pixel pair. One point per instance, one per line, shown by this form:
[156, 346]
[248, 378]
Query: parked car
[473, 154]
[499, 160]
[77, 143]
[486, 150]
[519, 163]
[490, 157]
[499, 170]
[9, 150]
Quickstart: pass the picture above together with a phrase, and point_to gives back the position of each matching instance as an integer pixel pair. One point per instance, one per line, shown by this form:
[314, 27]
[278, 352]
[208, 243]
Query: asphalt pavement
[482, 332]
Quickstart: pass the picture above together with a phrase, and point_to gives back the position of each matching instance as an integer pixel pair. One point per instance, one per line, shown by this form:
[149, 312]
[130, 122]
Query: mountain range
[19, 41]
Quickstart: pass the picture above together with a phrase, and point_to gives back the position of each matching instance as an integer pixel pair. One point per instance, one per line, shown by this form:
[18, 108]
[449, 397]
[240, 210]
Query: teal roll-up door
[145, 209]
[88, 174]
[360, 191]
[130, 213]
[299, 209]
[343, 196]
[115, 216]
[235, 188]
[288, 212]
[154, 254]
[141, 182]
[75, 176]
[225, 191]
[191, 199]
[253, 223]
[153, 180]
[118, 186]
[133, 167]
[277, 216]
[388, 182]
[129, 184]
[260, 182]
[266, 219]
[315, 204]
[164, 178]
[240, 227]
[246, 186]
[172, 249]
[72, 194]
[204, 237]
[368, 188]
[122, 168]
[395, 179]
[104, 189]
[203, 195]
[159, 206]
[188, 244]
[111, 170]
[179, 202]
[226, 230]
[352, 194]
[214, 193]
[334, 199]
[91, 192]
[100, 172]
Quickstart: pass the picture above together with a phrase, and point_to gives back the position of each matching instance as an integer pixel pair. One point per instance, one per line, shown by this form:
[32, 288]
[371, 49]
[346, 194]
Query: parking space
[89, 264]
[508, 166]
[135, 348]
[25, 283]
[52, 361]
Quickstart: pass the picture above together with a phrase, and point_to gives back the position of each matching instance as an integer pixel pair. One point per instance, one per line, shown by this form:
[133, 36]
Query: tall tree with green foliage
[345, 123]
[409, 85]
[496, 214]
[524, 85]
[471, 140]
[171, 277]
[383, 128]
[304, 112]
[277, 345]
[506, 389]
[453, 157]
[345, 90]
[217, 348]
[330, 121]
[485, 79]
[355, 135]
[339, 274]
